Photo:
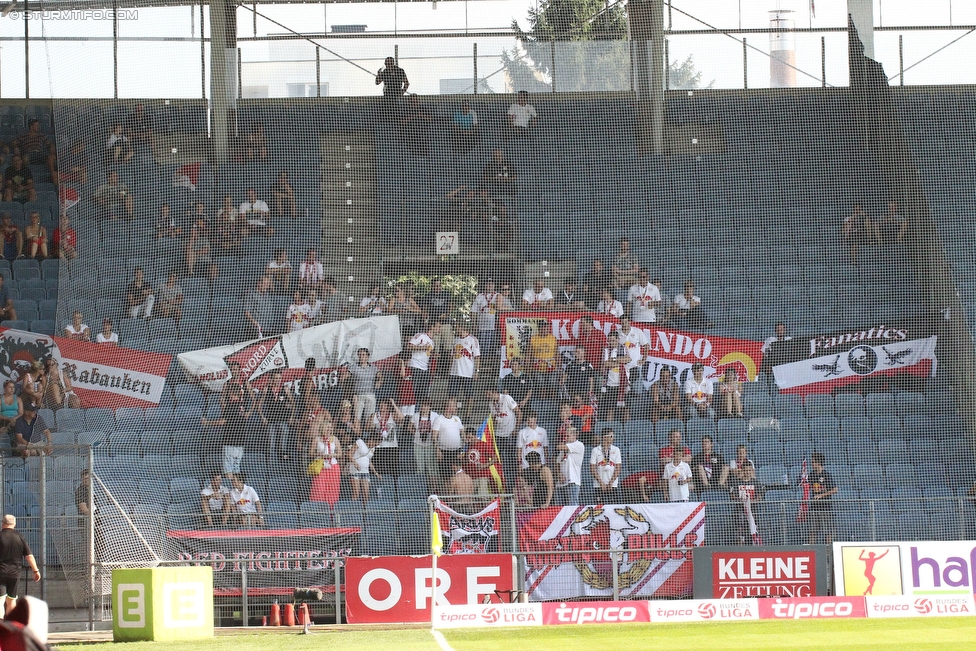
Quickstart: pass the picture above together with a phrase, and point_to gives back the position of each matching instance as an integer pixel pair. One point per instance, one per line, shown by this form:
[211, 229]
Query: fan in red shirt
[479, 458]
[592, 340]
[65, 240]
[666, 453]
[585, 412]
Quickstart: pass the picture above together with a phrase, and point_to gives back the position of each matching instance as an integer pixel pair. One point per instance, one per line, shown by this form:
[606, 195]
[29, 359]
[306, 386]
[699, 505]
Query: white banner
[919, 568]
[331, 345]
[931, 606]
[704, 610]
[490, 615]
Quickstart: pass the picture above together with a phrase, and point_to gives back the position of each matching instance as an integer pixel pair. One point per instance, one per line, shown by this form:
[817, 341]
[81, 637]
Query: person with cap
[465, 366]
[30, 435]
[698, 393]
[13, 551]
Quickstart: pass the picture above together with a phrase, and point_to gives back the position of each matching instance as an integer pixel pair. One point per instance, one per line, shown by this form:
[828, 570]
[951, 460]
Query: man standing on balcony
[395, 85]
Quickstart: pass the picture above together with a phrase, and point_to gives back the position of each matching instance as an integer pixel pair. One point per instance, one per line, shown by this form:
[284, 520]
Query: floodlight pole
[646, 22]
[223, 76]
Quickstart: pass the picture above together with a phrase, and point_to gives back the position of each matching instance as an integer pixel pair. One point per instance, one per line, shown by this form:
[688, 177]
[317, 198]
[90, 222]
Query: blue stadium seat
[99, 419]
[281, 515]
[901, 475]
[411, 487]
[315, 515]
[848, 404]
[879, 404]
[819, 404]
[908, 403]
[71, 420]
[868, 476]
[789, 406]
[129, 418]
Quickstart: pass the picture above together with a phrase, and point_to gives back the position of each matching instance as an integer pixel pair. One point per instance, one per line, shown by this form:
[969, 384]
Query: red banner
[764, 574]
[673, 348]
[595, 612]
[397, 589]
[102, 375]
[813, 608]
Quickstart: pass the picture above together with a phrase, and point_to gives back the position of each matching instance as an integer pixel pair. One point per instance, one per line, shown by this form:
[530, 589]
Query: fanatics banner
[824, 363]
[568, 549]
[271, 557]
[102, 375]
[470, 534]
[331, 345]
[666, 347]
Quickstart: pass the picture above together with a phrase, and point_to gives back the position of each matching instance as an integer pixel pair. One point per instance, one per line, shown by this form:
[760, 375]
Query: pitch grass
[945, 634]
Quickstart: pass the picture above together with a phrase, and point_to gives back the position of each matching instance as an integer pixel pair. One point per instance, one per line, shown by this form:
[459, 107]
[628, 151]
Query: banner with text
[476, 533]
[772, 571]
[929, 568]
[271, 557]
[824, 363]
[101, 375]
[665, 347]
[331, 345]
[568, 549]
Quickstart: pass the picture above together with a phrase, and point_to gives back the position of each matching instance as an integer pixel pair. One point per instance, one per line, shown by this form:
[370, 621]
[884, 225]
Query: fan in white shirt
[779, 336]
[106, 336]
[532, 438]
[609, 305]
[254, 210]
[505, 413]
[644, 297]
[677, 474]
[538, 297]
[447, 430]
[310, 271]
[299, 314]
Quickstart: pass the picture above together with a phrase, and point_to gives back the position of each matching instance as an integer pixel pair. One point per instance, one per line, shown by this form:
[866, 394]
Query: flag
[746, 493]
[813, 8]
[186, 176]
[805, 485]
[486, 434]
[436, 543]
[68, 196]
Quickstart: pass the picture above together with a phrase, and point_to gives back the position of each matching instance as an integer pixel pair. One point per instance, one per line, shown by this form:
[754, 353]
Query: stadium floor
[946, 634]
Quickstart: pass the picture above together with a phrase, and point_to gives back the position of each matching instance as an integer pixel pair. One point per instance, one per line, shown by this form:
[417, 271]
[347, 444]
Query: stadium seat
[877, 405]
[99, 419]
[849, 404]
[819, 404]
[71, 420]
[900, 475]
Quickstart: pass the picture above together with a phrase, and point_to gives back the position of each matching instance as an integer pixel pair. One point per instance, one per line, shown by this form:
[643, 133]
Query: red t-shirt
[70, 237]
[594, 343]
[585, 413]
[666, 453]
[478, 452]
[632, 482]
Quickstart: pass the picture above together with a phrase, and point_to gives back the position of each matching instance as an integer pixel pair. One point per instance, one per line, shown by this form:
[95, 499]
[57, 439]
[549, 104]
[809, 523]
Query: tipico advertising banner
[487, 616]
[704, 610]
[568, 550]
[824, 363]
[331, 345]
[666, 347]
[929, 568]
[932, 606]
[102, 375]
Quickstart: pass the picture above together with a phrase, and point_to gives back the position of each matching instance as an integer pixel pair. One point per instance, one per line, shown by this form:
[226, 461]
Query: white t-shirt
[260, 207]
[522, 114]
[448, 432]
[633, 341]
[734, 464]
[483, 307]
[361, 456]
[245, 500]
[299, 316]
[215, 498]
[613, 373]
[465, 350]
[533, 440]
[311, 273]
[328, 451]
[503, 412]
[677, 492]
[613, 307]
[420, 359]
[682, 302]
[605, 465]
[532, 297]
[699, 391]
[111, 339]
[421, 425]
[772, 340]
[387, 430]
[275, 265]
[70, 329]
[640, 299]
[376, 304]
[571, 463]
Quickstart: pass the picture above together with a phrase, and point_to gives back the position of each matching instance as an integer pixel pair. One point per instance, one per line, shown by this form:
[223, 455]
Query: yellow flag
[435, 534]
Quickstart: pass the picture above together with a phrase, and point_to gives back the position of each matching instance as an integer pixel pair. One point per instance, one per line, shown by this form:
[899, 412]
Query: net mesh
[769, 143]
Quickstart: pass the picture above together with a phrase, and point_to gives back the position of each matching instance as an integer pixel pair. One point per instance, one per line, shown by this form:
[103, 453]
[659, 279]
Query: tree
[591, 47]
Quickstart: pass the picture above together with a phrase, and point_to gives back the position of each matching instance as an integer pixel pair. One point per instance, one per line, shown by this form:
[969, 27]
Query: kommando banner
[476, 533]
[666, 347]
[568, 549]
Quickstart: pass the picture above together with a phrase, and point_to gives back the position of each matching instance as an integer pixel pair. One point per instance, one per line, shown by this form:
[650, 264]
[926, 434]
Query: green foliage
[684, 75]
[461, 287]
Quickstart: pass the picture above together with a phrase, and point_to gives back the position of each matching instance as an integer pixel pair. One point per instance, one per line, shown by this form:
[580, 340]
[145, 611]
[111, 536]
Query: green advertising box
[171, 603]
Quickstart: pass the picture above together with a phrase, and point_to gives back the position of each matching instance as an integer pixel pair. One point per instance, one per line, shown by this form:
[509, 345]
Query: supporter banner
[673, 348]
[494, 615]
[295, 557]
[737, 572]
[932, 606]
[331, 345]
[568, 549]
[470, 534]
[101, 375]
[813, 608]
[704, 610]
[905, 568]
[596, 612]
[823, 363]
[397, 589]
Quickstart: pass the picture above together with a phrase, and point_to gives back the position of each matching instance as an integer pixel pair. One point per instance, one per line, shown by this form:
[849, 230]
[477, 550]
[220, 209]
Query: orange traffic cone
[289, 614]
[304, 617]
[275, 619]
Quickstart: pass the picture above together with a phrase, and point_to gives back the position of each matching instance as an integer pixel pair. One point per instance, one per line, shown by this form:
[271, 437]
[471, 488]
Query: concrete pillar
[223, 76]
[647, 35]
[862, 13]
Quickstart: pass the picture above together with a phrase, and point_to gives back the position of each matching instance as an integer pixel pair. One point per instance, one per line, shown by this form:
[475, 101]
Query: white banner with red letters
[568, 549]
[102, 375]
[665, 347]
[397, 589]
[331, 345]
[704, 610]
[487, 616]
[960, 605]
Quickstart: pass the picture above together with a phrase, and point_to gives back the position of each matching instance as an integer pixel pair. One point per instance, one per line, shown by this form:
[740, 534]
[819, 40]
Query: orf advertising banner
[666, 347]
[568, 549]
[773, 571]
[397, 589]
[102, 375]
[272, 557]
[331, 345]
[929, 568]
[823, 363]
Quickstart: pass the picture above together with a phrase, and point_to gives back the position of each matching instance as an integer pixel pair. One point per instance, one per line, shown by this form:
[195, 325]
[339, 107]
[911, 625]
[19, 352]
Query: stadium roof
[81, 5]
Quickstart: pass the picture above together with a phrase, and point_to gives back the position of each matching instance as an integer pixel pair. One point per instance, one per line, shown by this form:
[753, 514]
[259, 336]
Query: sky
[173, 68]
